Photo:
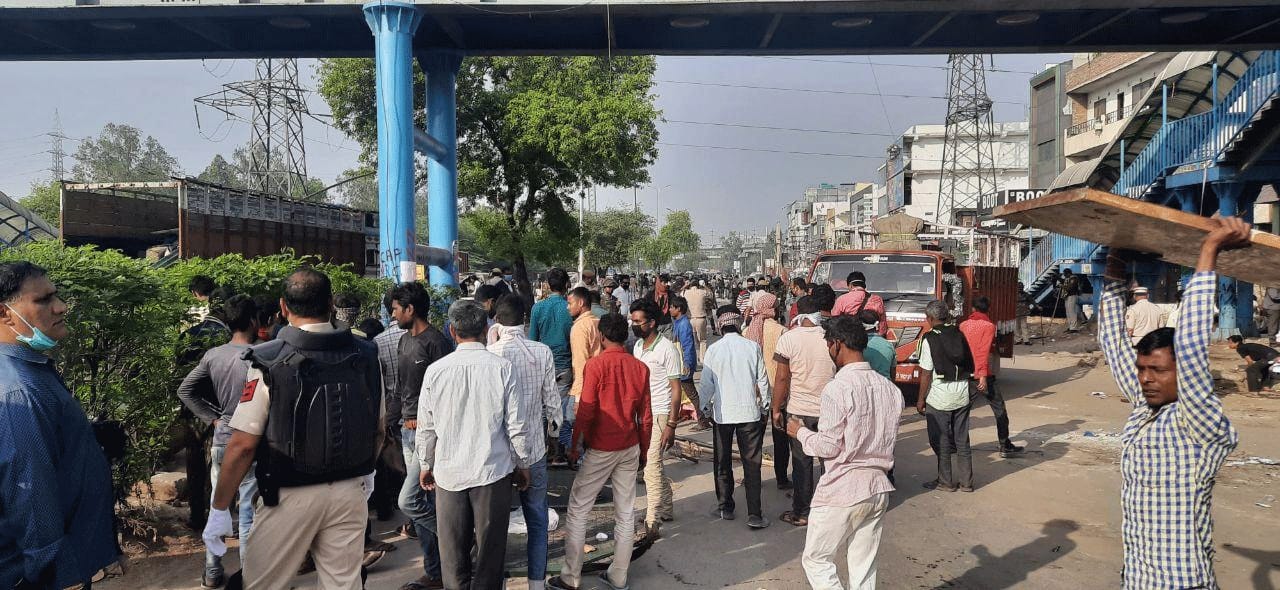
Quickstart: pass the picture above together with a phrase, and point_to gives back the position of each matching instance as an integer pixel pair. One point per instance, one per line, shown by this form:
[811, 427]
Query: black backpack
[322, 425]
[950, 353]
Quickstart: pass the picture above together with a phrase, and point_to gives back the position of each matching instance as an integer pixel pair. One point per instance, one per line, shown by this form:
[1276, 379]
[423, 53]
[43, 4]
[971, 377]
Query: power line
[885, 65]
[817, 90]
[773, 151]
[770, 128]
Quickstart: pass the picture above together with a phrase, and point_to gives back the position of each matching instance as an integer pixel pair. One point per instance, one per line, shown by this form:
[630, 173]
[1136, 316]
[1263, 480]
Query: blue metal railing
[1052, 249]
[1202, 139]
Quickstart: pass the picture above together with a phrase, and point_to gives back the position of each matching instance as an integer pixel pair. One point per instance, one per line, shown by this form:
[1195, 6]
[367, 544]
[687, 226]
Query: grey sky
[723, 189]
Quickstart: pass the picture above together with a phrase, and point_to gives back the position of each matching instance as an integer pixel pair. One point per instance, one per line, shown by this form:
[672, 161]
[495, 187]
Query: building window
[1120, 102]
[1140, 89]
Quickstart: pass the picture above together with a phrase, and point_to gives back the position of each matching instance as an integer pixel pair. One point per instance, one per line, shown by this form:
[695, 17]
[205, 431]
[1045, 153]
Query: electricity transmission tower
[58, 166]
[276, 103]
[968, 151]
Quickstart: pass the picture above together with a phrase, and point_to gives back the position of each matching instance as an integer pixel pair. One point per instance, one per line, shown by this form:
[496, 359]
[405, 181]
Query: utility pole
[276, 102]
[58, 165]
[968, 151]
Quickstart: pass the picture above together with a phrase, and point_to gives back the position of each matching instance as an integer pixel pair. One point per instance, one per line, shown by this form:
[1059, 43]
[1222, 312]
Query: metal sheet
[1120, 222]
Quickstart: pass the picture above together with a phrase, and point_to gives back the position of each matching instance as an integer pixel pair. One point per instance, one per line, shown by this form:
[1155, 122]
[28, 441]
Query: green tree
[678, 233]
[613, 237]
[45, 200]
[358, 189]
[532, 132]
[483, 232]
[120, 153]
[732, 244]
[235, 174]
[220, 171]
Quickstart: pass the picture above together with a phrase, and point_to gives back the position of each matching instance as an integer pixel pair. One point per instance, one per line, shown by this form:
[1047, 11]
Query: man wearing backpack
[946, 388]
[314, 481]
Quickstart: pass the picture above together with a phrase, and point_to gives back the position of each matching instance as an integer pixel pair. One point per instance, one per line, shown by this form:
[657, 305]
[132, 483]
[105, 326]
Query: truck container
[908, 280]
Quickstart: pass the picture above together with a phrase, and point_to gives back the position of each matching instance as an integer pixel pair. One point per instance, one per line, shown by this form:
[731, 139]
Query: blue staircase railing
[1052, 250]
[1202, 139]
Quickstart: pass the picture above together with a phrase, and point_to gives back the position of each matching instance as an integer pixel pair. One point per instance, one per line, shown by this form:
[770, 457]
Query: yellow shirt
[584, 345]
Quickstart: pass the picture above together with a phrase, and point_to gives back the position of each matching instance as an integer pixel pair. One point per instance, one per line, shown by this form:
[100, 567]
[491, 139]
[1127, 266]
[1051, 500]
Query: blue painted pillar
[393, 25]
[441, 67]
[1235, 298]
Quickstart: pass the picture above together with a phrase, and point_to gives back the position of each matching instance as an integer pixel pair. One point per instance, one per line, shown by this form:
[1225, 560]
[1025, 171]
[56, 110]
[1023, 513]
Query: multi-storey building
[913, 168]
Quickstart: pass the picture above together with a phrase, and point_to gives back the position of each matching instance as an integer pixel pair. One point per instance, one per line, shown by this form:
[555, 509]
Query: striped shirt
[388, 344]
[535, 371]
[857, 430]
[1170, 455]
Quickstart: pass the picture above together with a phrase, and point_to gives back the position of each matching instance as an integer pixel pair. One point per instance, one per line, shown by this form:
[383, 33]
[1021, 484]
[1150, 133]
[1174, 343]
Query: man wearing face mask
[56, 527]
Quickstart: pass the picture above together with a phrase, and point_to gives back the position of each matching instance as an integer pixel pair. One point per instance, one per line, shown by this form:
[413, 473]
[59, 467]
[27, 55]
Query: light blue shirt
[881, 355]
[735, 386]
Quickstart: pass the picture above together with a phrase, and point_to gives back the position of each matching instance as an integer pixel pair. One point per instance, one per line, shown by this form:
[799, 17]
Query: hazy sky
[724, 189]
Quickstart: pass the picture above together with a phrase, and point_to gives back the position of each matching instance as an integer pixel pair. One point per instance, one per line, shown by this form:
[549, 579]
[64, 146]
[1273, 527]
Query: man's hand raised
[1230, 233]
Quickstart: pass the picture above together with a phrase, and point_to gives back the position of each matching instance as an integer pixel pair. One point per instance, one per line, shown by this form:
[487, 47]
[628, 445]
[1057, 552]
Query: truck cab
[908, 281]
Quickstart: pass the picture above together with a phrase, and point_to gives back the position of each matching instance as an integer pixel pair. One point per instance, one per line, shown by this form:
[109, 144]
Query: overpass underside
[194, 29]
[439, 33]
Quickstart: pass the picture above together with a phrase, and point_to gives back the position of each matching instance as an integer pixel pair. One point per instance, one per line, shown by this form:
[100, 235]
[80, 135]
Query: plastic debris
[1254, 461]
[1099, 395]
[602, 537]
[1265, 502]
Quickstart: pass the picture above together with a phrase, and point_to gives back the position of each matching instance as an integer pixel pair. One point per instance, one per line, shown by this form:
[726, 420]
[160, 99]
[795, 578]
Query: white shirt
[624, 300]
[535, 371]
[735, 385]
[663, 359]
[471, 429]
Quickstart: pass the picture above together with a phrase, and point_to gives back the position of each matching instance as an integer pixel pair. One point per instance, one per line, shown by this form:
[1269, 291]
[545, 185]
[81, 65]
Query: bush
[124, 322]
[118, 357]
[265, 275]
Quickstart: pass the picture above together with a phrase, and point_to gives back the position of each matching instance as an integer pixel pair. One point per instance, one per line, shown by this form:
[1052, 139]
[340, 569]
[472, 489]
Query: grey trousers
[948, 430]
[1273, 323]
[474, 517]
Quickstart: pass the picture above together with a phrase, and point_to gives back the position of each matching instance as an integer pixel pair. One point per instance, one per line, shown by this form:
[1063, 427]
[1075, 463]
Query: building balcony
[1085, 139]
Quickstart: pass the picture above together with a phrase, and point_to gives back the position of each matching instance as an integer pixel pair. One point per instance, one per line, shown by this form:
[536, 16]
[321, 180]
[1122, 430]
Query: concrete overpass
[440, 32]
[193, 29]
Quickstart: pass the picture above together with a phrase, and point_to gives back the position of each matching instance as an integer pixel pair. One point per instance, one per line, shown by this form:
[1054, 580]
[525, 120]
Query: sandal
[793, 520]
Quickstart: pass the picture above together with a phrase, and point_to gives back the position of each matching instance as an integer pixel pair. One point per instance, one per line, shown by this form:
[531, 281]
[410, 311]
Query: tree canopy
[676, 238]
[532, 133]
[120, 153]
[613, 237]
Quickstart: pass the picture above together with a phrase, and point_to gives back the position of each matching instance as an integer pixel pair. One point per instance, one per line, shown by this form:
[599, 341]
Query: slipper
[793, 520]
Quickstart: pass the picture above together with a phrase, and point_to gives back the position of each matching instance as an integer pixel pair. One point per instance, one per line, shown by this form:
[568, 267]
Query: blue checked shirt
[1171, 455]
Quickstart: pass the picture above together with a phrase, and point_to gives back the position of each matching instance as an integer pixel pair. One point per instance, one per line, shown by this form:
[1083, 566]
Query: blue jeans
[564, 383]
[248, 491]
[420, 506]
[533, 502]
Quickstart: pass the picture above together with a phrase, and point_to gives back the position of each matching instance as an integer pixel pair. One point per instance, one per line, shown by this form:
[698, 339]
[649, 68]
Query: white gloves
[368, 485]
[217, 527]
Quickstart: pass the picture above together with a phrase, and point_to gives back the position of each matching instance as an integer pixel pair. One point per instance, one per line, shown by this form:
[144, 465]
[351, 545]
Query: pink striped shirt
[856, 434]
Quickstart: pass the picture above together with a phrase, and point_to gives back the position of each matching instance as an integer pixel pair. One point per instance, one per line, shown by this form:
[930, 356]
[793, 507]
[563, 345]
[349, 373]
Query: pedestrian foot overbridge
[440, 32]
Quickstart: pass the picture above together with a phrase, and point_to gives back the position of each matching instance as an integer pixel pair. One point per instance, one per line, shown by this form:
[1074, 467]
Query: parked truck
[186, 218]
[908, 280]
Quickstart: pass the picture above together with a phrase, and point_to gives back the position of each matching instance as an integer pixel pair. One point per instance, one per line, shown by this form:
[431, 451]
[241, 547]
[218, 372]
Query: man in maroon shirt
[614, 423]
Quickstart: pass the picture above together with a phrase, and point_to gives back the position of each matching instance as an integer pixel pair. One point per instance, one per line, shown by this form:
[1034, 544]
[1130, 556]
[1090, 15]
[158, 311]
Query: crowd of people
[314, 410]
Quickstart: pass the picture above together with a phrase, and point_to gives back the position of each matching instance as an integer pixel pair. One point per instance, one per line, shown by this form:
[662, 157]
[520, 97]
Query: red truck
[908, 280]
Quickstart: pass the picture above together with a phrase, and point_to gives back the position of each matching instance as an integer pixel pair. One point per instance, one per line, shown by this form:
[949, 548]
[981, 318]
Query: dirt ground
[1049, 519]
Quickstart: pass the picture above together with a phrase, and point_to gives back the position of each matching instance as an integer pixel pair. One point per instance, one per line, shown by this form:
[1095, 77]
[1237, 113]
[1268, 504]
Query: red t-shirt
[980, 332]
[614, 413]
